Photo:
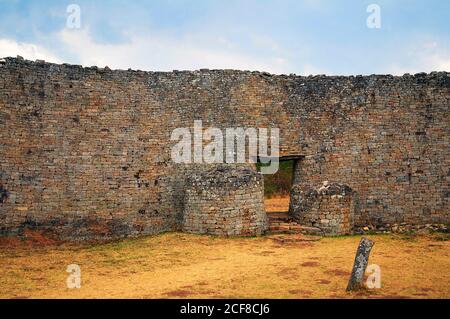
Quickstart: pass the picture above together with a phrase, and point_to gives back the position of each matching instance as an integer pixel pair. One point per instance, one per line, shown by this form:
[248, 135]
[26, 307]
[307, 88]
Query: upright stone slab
[226, 201]
[360, 264]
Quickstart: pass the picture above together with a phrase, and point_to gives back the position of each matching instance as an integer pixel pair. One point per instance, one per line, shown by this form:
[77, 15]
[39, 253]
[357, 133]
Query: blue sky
[291, 36]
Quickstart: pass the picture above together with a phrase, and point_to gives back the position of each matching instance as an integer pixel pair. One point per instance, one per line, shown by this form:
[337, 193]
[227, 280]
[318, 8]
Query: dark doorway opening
[277, 186]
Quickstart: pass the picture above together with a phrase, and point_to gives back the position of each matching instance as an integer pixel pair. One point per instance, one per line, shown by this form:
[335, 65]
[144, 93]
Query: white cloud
[27, 50]
[438, 62]
[161, 52]
[166, 53]
[428, 57]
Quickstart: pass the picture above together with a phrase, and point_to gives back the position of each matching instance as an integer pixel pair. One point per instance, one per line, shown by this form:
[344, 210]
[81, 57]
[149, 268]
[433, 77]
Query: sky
[285, 36]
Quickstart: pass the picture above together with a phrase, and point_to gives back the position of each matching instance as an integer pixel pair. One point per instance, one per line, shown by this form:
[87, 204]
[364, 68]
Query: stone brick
[87, 150]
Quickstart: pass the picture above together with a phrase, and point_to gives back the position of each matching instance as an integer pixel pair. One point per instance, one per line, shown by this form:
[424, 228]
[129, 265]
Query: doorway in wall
[277, 186]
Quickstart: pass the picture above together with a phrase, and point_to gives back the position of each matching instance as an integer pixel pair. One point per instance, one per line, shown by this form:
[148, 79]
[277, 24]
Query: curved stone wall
[329, 207]
[85, 152]
[226, 201]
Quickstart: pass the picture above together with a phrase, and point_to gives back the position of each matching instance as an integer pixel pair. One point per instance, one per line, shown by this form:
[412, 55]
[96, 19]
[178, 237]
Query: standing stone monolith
[360, 265]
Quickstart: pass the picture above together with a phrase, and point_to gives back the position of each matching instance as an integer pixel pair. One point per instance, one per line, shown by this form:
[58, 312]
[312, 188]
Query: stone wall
[329, 207]
[85, 152]
[225, 201]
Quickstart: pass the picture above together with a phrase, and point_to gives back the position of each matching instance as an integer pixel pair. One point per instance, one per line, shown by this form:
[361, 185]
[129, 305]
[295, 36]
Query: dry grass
[175, 265]
[277, 204]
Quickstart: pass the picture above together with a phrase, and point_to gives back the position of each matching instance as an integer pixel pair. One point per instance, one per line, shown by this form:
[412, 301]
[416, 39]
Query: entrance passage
[277, 187]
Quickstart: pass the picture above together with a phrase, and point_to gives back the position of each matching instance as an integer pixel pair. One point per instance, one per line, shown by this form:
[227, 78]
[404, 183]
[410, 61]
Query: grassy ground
[177, 265]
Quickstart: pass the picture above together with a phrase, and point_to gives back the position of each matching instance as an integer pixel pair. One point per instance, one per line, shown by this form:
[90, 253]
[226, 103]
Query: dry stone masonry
[226, 201]
[329, 207]
[85, 152]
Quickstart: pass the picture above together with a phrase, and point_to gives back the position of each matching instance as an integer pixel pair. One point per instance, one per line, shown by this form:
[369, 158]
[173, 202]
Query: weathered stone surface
[85, 152]
[329, 207]
[403, 228]
[225, 200]
[359, 266]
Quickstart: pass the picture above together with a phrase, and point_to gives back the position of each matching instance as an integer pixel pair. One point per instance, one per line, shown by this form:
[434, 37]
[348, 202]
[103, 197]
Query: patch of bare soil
[178, 265]
[310, 264]
[277, 204]
[28, 239]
